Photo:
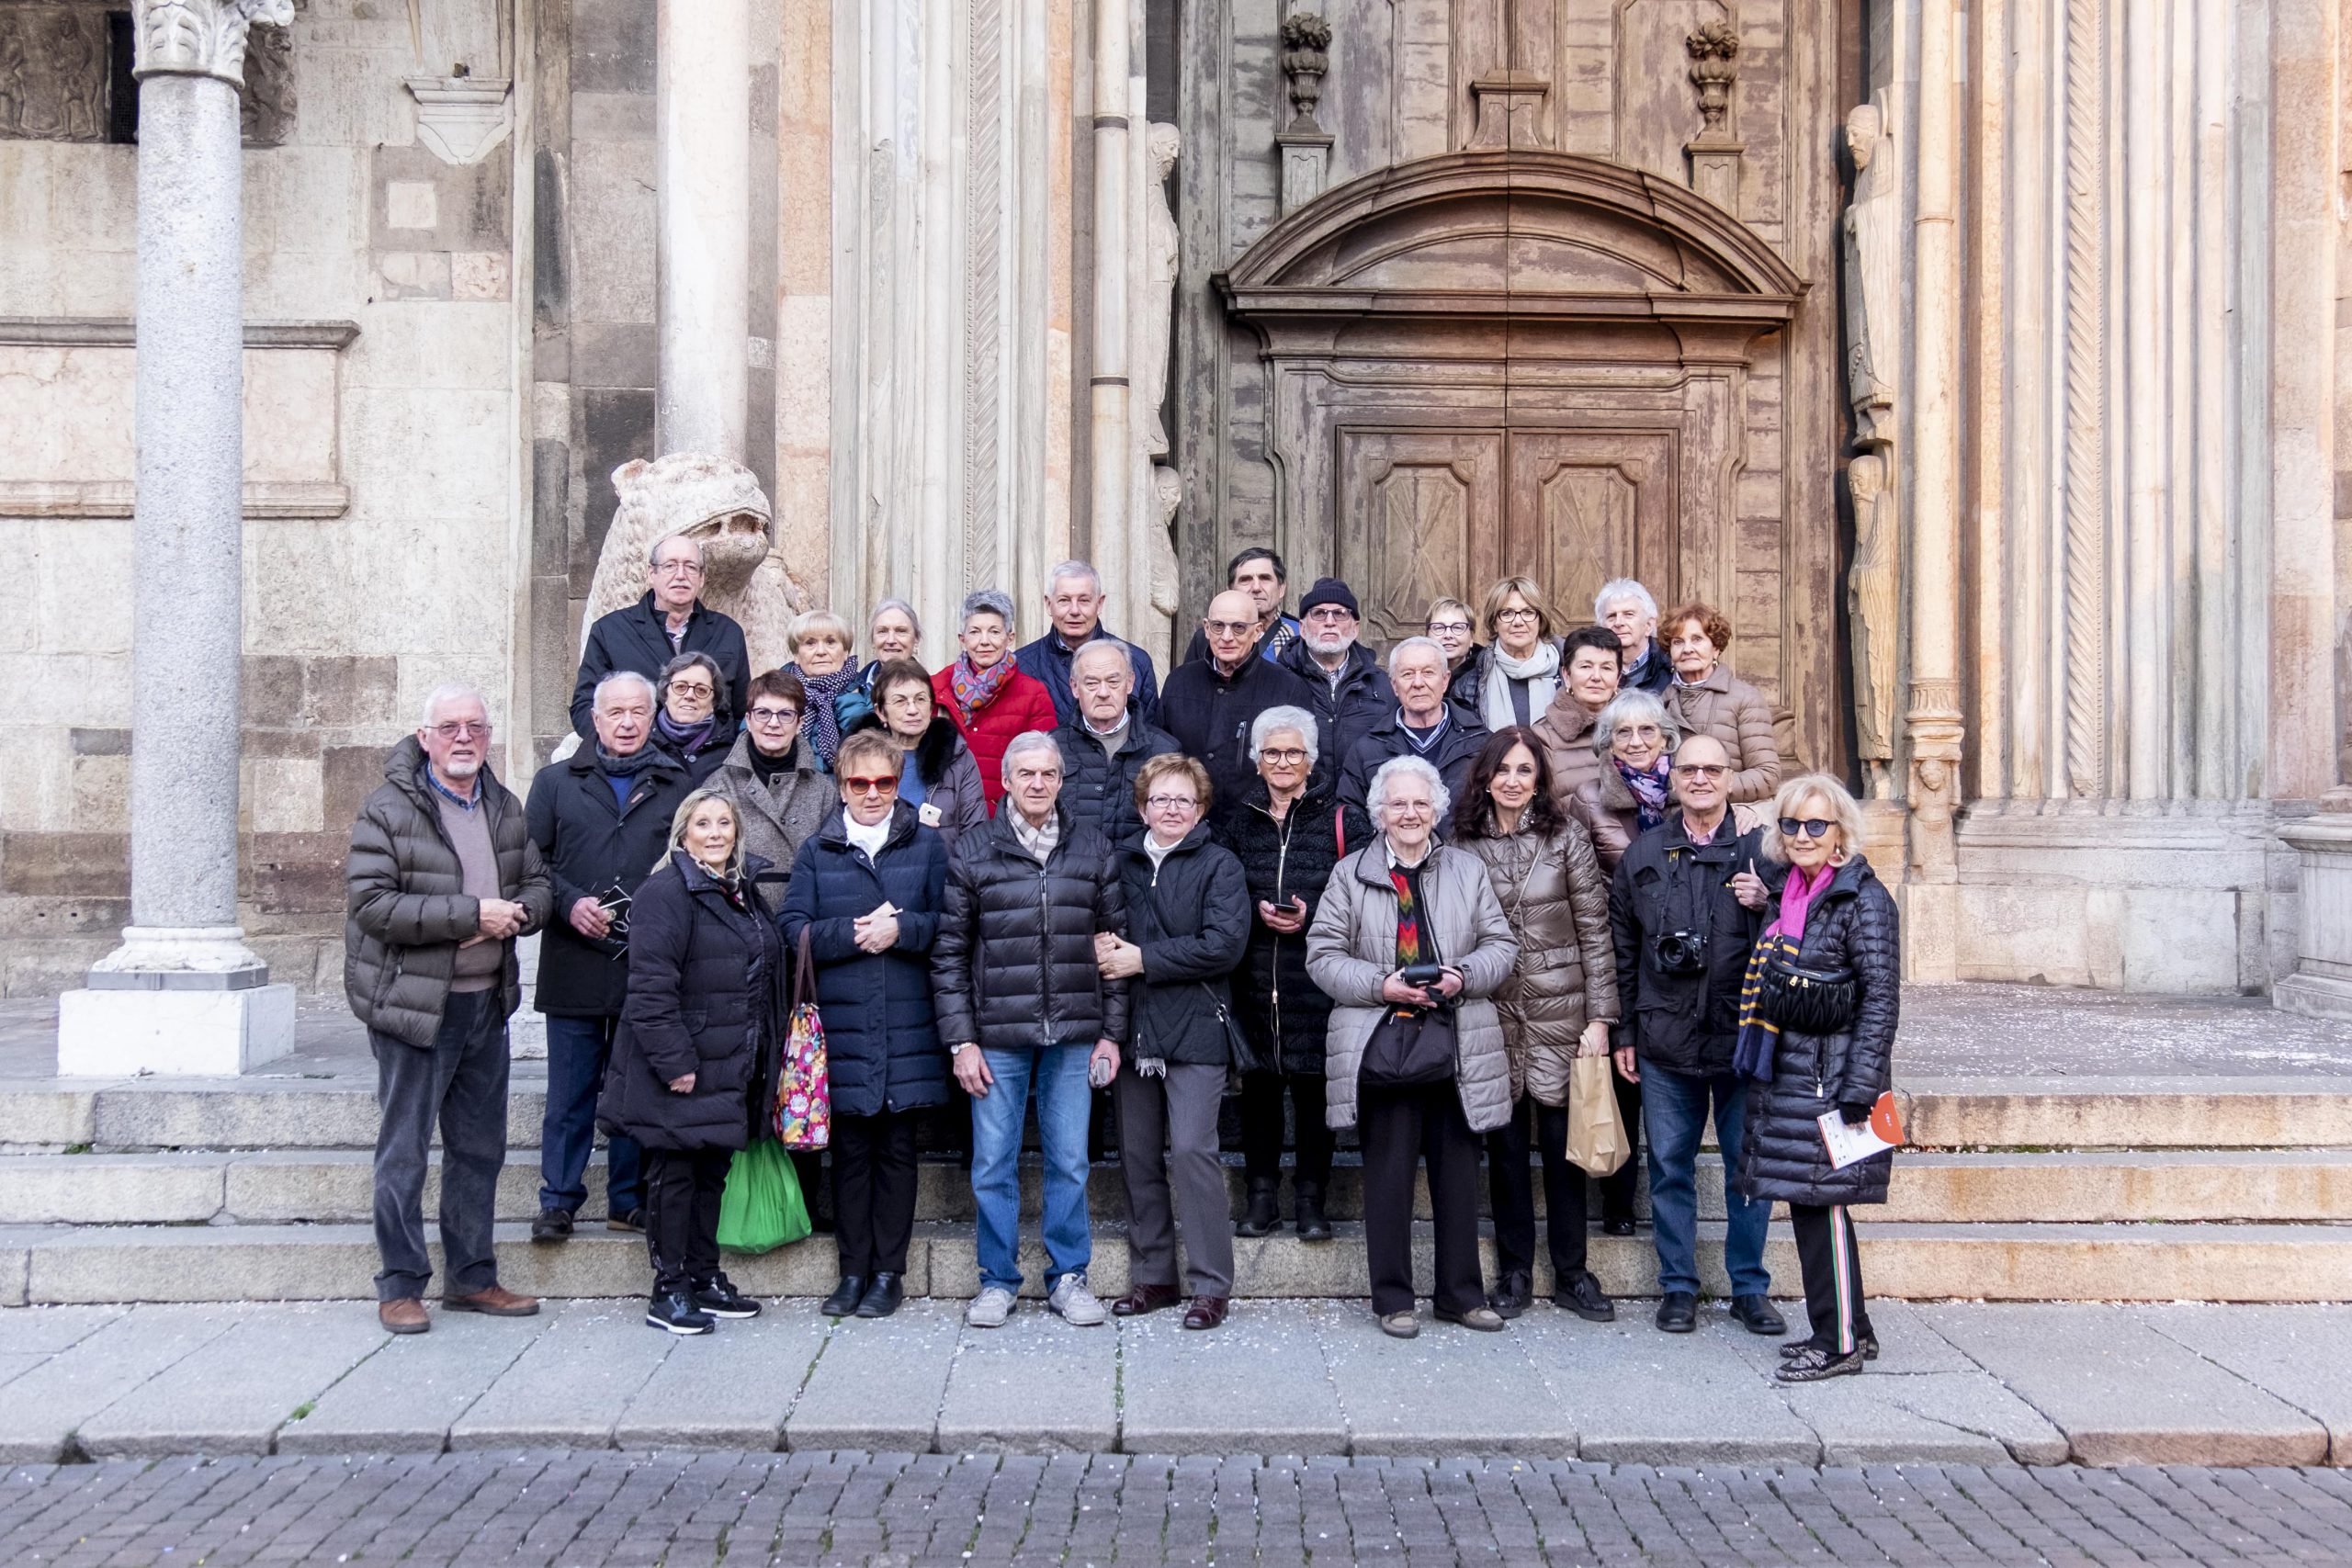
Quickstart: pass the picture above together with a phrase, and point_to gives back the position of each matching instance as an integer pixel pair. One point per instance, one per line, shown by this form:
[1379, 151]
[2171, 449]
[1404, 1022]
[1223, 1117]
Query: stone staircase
[2195, 1189]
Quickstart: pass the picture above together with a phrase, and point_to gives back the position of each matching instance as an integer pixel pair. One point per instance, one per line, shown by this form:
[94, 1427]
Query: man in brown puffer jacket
[442, 879]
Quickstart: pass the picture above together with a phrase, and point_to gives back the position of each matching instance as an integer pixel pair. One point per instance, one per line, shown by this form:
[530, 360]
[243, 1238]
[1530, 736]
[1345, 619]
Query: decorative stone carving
[1714, 153]
[199, 38]
[265, 116]
[1934, 725]
[2087, 500]
[53, 73]
[717, 504]
[1872, 595]
[1873, 235]
[460, 119]
[1147, 555]
[1155, 301]
[1303, 145]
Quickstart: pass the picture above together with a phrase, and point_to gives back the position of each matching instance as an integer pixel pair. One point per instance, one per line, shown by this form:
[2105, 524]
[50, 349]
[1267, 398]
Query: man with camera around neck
[1685, 910]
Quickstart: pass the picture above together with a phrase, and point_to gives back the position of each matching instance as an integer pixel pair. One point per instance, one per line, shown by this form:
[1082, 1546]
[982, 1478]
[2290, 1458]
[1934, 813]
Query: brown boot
[497, 1301]
[404, 1314]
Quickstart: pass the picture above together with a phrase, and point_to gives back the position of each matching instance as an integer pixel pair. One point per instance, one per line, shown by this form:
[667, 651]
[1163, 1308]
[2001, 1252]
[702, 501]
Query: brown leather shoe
[1206, 1312]
[1144, 1298]
[495, 1301]
[403, 1315]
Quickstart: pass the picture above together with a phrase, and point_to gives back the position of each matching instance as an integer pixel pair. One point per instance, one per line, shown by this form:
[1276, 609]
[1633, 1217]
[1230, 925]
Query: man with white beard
[1352, 694]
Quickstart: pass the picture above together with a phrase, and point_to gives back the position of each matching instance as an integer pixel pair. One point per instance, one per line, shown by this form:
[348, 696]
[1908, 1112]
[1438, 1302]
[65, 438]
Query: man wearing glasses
[1209, 704]
[669, 620]
[1684, 911]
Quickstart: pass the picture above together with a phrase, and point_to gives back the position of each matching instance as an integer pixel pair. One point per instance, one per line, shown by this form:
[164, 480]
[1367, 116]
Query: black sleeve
[596, 663]
[1625, 933]
[1875, 951]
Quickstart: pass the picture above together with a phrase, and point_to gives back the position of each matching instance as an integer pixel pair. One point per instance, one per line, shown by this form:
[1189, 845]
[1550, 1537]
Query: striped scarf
[1412, 946]
[1760, 1037]
[821, 721]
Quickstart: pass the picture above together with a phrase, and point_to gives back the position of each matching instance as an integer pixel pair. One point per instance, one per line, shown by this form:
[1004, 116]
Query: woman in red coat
[987, 695]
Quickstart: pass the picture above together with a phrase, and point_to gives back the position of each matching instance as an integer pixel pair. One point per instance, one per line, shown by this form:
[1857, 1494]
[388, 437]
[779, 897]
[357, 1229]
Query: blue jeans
[1064, 1104]
[578, 1050]
[1674, 1110]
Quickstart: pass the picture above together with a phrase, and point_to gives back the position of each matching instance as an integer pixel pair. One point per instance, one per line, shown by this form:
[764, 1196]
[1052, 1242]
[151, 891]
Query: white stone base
[2313, 996]
[124, 1033]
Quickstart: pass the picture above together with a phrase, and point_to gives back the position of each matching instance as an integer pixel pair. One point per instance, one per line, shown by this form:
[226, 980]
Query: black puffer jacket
[1685, 1022]
[409, 908]
[1209, 712]
[1280, 1007]
[1190, 916]
[1014, 963]
[706, 996]
[589, 844]
[634, 637]
[1099, 787]
[1451, 756]
[1363, 698]
[1853, 924]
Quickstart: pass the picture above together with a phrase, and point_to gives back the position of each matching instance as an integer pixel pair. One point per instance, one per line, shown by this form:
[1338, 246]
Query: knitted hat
[1329, 591]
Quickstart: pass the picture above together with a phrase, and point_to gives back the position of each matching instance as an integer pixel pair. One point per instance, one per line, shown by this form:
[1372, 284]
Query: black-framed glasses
[1812, 827]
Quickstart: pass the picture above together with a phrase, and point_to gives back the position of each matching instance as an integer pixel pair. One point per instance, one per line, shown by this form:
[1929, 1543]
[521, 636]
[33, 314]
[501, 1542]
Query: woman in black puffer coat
[1840, 919]
[698, 1038]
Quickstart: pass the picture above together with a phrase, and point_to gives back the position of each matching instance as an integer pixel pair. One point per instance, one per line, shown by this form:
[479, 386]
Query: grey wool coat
[1351, 948]
[778, 817]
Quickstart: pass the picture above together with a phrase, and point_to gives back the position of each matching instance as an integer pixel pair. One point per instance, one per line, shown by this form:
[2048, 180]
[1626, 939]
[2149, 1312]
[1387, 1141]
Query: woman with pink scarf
[986, 693]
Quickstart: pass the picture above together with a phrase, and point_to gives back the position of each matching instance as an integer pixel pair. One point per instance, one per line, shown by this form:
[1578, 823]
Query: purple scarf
[1649, 789]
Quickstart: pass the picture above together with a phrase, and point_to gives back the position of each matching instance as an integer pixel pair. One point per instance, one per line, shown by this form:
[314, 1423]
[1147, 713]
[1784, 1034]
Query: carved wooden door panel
[1584, 506]
[1420, 514]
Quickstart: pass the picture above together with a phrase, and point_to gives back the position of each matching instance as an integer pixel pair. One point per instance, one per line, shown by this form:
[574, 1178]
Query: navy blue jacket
[1099, 787]
[1048, 658]
[882, 1049]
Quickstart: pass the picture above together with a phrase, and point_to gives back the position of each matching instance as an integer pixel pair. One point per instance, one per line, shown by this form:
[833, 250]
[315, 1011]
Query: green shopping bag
[761, 1208]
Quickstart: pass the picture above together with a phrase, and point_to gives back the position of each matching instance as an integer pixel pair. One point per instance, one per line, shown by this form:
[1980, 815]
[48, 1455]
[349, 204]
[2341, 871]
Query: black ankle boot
[1308, 1198]
[1259, 1217]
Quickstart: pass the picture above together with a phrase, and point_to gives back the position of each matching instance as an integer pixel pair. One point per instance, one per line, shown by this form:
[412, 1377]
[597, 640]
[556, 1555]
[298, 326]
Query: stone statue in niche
[1873, 235]
[1153, 575]
[1155, 301]
[1872, 588]
[53, 71]
[717, 504]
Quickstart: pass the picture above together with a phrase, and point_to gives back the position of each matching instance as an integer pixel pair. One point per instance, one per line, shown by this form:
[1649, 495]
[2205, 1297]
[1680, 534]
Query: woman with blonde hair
[1817, 1018]
[818, 642]
[1514, 675]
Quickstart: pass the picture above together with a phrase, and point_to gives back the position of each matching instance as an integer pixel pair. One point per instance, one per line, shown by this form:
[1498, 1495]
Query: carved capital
[199, 38]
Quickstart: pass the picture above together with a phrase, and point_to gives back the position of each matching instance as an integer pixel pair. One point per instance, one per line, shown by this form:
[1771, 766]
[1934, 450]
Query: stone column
[184, 994]
[703, 217]
[1111, 445]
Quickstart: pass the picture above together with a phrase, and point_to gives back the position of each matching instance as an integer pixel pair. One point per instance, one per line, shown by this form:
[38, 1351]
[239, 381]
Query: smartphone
[1098, 1072]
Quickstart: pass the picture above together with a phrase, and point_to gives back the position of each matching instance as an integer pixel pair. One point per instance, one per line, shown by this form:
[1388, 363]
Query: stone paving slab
[2302, 1356]
[730, 1389]
[1641, 1397]
[569, 1389]
[1037, 1386]
[1261, 1375]
[275, 1362]
[406, 1397]
[46, 1331]
[1451, 1391]
[879, 1384]
[46, 1407]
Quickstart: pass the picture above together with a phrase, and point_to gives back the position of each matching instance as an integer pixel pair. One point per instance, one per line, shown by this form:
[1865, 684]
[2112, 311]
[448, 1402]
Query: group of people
[1394, 896]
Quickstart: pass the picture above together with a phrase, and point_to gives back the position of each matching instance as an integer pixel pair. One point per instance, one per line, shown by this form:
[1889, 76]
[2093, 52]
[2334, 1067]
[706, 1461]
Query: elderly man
[1024, 1008]
[1208, 704]
[1258, 573]
[442, 878]
[1351, 694]
[1625, 607]
[1106, 746]
[601, 818]
[669, 620]
[1422, 725]
[1682, 910]
[1074, 604]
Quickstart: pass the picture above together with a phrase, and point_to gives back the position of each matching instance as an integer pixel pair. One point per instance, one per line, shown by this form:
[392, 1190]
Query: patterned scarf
[976, 689]
[1759, 1038]
[1412, 946]
[821, 725]
[1649, 791]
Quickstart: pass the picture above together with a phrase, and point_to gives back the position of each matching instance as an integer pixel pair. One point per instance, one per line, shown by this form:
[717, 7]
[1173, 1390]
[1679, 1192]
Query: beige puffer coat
[1556, 899]
[1351, 948]
[1566, 730]
[1734, 713]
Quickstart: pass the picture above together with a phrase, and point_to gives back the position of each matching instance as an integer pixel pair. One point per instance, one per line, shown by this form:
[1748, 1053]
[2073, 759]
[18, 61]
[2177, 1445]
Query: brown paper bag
[1597, 1140]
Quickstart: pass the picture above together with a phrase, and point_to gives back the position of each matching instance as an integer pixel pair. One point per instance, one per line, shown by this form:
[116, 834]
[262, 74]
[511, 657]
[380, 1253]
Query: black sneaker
[719, 1298]
[677, 1315]
[553, 1225]
[1617, 1224]
[1581, 1295]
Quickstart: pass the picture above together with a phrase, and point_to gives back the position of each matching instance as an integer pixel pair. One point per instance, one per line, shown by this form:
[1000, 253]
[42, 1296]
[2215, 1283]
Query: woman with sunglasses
[866, 890]
[1816, 1038]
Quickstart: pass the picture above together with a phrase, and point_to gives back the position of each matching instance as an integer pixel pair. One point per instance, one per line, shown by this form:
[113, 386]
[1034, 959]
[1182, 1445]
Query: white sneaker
[992, 1307]
[1076, 1304]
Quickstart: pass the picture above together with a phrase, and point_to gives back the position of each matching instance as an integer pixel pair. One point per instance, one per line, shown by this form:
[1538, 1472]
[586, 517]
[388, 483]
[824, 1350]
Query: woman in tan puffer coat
[1557, 1005]
[1710, 700]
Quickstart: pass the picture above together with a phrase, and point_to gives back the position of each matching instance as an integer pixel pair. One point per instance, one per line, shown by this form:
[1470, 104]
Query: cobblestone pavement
[556, 1508]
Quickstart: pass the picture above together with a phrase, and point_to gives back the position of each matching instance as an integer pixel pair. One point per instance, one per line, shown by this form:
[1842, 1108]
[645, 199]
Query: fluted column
[1110, 447]
[703, 223]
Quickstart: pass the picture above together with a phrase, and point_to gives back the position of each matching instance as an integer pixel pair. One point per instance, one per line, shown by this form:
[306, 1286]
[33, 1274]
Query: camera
[1681, 952]
[1426, 976]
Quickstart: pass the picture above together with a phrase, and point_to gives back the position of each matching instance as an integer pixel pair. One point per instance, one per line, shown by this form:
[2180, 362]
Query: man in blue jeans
[1023, 1008]
[1684, 910]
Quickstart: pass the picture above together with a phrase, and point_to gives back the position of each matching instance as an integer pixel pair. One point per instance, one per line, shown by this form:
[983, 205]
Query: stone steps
[1993, 1262]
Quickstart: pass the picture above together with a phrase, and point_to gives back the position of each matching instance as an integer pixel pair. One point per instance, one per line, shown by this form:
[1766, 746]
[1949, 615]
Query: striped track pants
[1832, 1263]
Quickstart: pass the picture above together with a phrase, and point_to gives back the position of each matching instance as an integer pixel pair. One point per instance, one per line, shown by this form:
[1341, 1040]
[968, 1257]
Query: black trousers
[873, 1191]
[681, 1192]
[1617, 1188]
[1511, 1185]
[1832, 1264]
[1261, 1129]
[1400, 1128]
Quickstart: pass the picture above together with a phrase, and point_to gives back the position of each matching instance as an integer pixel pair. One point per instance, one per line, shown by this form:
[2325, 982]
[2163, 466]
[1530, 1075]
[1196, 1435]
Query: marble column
[184, 994]
[1109, 450]
[703, 217]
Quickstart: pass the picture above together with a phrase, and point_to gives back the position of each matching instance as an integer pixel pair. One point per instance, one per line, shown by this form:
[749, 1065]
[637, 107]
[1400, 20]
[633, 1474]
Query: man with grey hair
[1074, 604]
[601, 819]
[1108, 745]
[669, 620]
[442, 878]
[1627, 608]
[1023, 1008]
[1423, 725]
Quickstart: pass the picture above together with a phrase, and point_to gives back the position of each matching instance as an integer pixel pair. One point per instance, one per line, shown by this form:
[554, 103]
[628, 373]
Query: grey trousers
[459, 1083]
[1155, 1112]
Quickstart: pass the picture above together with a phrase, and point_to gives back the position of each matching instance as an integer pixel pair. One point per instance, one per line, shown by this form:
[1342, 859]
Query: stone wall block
[350, 690]
[67, 865]
[295, 874]
[612, 46]
[36, 776]
[100, 743]
[348, 775]
[612, 184]
[283, 795]
[272, 690]
[413, 275]
[101, 795]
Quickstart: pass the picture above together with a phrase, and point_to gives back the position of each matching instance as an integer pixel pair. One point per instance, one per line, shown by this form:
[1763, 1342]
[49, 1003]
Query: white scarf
[1540, 672]
[870, 840]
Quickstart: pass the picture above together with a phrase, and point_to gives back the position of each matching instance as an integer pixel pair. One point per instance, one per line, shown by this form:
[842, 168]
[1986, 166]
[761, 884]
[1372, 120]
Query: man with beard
[1351, 694]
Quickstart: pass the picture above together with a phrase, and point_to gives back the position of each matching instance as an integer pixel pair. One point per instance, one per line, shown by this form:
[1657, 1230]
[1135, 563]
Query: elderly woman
[936, 773]
[818, 643]
[866, 893]
[1411, 945]
[1710, 700]
[1628, 791]
[772, 778]
[1450, 626]
[1188, 921]
[1557, 1006]
[685, 715]
[894, 632]
[1289, 832]
[1818, 1049]
[703, 1022]
[1589, 667]
[986, 693]
[1513, 678]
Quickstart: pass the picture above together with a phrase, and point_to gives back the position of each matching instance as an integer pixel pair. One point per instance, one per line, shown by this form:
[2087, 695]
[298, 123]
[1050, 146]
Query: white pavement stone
[878, 1384]
[732, 1389]
[1924, 1418]
[2123, 1392]
[2301, 1354]
[1035, 1386]
[41, 1330]
[47, 1405]
[569, 1389]
[1637, 1396]
[1452, 1391]
[233, 1398]
[1258, 1380]
[406, 1397]
[15, 1364]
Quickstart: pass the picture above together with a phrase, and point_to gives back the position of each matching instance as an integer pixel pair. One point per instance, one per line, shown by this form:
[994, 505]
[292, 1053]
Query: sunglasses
[870, 787]
[1812, 827]
[1702, 770]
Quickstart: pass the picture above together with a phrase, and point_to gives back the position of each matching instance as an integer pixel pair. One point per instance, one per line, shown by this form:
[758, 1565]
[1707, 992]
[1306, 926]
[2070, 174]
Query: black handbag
[1804, 1000]
[1409, 1046]
[1242, 1055]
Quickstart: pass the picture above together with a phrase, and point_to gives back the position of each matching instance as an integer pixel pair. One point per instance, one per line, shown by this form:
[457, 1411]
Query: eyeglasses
[1285, 757]
[870, 787]
[1637, 732]
[1448, 628]
[1702, 770]
[1521, 614]
[775, 717]
[1812, 827]
[1330, 613]
[1229, 628]
[462, 732]
[692, 689]
[1172, 802]
[680, 568]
